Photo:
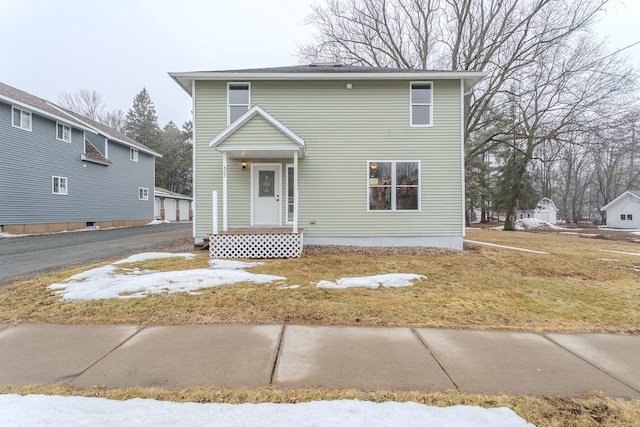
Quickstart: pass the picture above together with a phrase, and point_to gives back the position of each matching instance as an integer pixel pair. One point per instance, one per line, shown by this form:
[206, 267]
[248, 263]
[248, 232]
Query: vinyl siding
[342, 129]
[28, 160]
[258, 132]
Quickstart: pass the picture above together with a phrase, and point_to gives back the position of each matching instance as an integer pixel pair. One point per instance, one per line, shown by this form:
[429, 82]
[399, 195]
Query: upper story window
[394, 186]
[59, 185]
[143, 193]
[133, 154]
[63, 132]
[238, 100]
[20, 118]
[421, 103]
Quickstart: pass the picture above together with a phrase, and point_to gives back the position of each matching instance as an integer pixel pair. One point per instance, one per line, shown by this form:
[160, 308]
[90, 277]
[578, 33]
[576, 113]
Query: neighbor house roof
[326, 72]
[162, 192]
[634, 193]
[48, 109]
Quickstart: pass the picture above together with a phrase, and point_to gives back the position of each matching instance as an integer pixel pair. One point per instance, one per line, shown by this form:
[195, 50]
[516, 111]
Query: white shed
[545, 210]
[624, 210]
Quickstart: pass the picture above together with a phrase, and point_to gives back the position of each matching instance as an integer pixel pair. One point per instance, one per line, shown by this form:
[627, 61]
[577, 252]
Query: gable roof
[633, 193]
[298, 143]
[326, 72]
[162, 192]
[50, 110]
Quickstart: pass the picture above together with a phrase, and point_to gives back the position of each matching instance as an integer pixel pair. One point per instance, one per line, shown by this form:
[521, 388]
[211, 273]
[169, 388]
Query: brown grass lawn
[579, 286]
[589, 410]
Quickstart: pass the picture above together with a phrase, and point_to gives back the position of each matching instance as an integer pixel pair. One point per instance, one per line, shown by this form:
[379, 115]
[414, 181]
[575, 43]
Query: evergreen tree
[142, 121]
[174, 169]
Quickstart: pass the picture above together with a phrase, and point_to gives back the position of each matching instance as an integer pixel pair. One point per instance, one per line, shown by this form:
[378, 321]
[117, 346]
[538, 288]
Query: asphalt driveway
[33, 255]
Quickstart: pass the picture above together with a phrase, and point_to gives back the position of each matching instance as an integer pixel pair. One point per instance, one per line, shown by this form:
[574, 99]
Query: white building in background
[545, 210]
[624, 210]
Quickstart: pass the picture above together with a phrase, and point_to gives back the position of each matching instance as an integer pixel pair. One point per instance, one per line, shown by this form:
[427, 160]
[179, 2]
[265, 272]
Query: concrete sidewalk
[290, 356]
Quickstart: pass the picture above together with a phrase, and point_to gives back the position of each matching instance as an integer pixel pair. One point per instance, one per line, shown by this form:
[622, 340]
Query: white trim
[394, 186]
[411, 104]
[251, 177]
[66, 185]
[63, 126]
[21, 111]
[256, 109]
[145, 193]
[84, 145]
[286, 189]
[471, 78]
[106, 148]
[133, 154]
[229, 84]
[193, 163]
[224, 192]
[30, 108]
[214, 206]
[295, 195]
[462, 168]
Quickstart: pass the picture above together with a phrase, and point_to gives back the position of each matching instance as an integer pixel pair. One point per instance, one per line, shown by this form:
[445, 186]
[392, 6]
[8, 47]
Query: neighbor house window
[629, 217]
[59, 185]
[623, 217]
[20, 118]
[421, 100]
[393, 186]
[63, 132]
[238, 96]
[143, 193]
[133, 154]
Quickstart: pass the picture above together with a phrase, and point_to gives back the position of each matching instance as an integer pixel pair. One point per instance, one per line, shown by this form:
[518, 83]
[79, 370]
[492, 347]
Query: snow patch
[158, 221]
[109, 281]
[372, 282]
[73, 411]
[534, 224]
[13, 236]
[154, 255]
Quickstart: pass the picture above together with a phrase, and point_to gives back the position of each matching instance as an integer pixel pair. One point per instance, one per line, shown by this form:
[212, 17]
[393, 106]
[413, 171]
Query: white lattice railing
[255, 245]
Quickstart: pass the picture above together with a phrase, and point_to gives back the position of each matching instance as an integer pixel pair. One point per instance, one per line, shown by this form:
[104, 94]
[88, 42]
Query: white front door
[265, 197]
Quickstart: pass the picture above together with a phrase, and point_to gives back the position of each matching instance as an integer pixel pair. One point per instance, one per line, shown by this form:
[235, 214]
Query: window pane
[26, 120]
[66, 133]
[235, 113]
[16, 118]
[60, 135]
[623, 217]
[407, 173]
[380, 173]
[63, 185]
[407, 198]
[290, 192]
[380, 198]
[420, 114]
[56, 188]
[629, 217]
[239, 94]
[421, 93]
[265, 184]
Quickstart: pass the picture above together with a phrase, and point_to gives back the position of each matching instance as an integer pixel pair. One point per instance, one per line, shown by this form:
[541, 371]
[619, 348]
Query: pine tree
[174, 169]
[142, 121]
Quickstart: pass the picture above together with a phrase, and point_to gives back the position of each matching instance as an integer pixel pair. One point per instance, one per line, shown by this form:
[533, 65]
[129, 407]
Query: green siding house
[331, 154]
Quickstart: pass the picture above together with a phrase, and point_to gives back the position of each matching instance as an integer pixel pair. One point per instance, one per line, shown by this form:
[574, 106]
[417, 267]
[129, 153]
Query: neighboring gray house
[545, 210]
[62, 171]
[624, 210]
[172, 206]
[341, 154]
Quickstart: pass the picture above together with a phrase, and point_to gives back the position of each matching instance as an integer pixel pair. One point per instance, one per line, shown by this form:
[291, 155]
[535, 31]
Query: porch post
[214, 197]
[295, 192]
[224, 191]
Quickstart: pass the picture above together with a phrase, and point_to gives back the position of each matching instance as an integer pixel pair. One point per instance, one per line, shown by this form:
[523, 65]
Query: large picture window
[421, 103]
[393, 185]
[238, 96]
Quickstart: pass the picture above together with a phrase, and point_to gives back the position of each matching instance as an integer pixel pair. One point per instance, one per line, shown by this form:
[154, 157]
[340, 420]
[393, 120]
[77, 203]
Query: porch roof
[257, 134]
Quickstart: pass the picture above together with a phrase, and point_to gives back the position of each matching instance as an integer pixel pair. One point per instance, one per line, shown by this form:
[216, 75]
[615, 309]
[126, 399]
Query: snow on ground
[159, 221]
[534, 224]
[39, 410]
[12, 236]
[372, 282]
[111, 282]
[154, 255]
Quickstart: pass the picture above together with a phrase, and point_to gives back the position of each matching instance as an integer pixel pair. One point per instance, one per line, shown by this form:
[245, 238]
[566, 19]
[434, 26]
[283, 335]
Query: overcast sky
[117, 47]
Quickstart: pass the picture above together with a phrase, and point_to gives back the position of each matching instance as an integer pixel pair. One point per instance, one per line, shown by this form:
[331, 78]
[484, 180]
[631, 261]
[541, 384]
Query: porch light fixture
[374, 166]
[244, 165]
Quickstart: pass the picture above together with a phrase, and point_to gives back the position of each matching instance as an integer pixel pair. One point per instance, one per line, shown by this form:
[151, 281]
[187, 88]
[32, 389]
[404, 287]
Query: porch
[255, 242]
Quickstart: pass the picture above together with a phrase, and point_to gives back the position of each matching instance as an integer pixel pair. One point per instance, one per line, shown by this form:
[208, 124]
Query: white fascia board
[614, 201]
[63, 119]
[470, 77]
[256, 109]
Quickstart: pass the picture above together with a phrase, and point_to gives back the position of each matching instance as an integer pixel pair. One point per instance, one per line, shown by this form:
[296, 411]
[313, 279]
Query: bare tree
[115, 119]
[87, 102]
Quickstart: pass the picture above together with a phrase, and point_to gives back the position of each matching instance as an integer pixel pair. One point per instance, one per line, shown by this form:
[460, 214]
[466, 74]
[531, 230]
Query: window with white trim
[133, 154]
[238, 100]
[20, 118]
[143, 193]
[63, 132]
[59, 185]
[421, 100]
[627, 217]
[289, 216]
[393, 185]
